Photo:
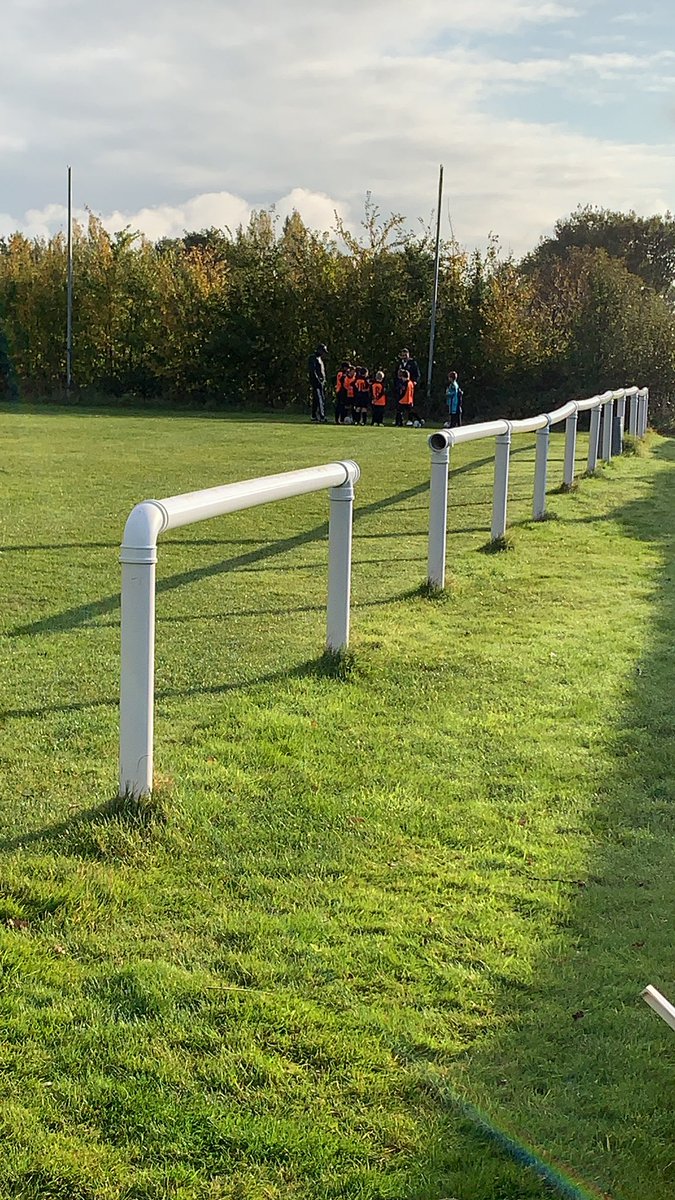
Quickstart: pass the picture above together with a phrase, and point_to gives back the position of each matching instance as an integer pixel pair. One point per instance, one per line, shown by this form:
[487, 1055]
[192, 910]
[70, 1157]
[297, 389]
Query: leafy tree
[645, 244]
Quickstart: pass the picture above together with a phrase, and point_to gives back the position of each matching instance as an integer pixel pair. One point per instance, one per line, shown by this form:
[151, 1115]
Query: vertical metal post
[500, 496]
[617, 427]
[593, 439]
[540, 471]
[438, 516]
[646, 408]
[570, 448]
[643, 411]
[434, 301]
[633, 414]
[619, 420]
[137, 684]
[607, 417]
[69, 306]
[339, 566]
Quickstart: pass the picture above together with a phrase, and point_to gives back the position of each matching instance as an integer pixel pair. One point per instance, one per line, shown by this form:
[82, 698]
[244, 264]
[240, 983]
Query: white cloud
[221, 210]
[179, 117]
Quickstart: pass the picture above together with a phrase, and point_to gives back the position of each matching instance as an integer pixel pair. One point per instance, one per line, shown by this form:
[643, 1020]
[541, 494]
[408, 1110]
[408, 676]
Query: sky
[180, 116]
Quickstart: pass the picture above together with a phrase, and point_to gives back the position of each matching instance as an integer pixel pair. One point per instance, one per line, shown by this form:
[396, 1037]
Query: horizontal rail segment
[611, 404]
[144, 524]
[138, 556]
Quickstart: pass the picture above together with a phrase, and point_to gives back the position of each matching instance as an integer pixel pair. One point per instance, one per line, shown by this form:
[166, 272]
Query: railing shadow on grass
[74, 834]
[74, 617]
[315, 666]
[583, 1068]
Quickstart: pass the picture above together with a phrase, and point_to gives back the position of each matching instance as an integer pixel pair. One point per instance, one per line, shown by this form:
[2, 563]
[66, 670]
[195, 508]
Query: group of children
[357, 397]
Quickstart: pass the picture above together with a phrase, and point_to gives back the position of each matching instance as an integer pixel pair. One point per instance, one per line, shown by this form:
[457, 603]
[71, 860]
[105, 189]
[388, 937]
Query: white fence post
[593, 439]
[500, 497]
[540, 472]
[620, 422]
[137, 678]
[643, 409]
[633, 414]
[646, 408]
[570, 448]
[607, 417]
[438, 514]
[339, 566]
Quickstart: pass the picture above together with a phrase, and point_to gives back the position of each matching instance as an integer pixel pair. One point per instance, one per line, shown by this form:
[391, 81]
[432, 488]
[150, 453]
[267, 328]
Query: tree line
[226, 320]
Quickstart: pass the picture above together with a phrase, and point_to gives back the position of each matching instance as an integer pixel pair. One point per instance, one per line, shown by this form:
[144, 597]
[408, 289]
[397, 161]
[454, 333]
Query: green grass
[362, 903]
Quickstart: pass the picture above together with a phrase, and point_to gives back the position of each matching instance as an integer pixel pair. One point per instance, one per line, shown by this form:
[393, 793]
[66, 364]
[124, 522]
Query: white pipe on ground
[138, 556]
[660, 1005]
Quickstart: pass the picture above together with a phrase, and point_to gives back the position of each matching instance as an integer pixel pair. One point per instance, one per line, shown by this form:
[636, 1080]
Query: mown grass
[361, 903]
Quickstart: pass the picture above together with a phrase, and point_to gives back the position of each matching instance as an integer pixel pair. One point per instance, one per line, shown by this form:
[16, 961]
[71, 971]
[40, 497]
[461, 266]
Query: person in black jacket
[317, 382]
[409, 364]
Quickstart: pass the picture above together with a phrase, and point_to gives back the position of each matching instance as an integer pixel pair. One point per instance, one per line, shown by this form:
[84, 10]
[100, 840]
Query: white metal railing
[441, 443]
[139, 557]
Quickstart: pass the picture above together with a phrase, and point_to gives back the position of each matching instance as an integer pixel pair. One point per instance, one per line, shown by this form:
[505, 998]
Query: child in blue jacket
[454, 397]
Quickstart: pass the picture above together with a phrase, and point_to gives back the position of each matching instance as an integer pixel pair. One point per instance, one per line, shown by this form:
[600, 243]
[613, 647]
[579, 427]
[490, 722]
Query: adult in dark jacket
[317, 382]
[409, 364]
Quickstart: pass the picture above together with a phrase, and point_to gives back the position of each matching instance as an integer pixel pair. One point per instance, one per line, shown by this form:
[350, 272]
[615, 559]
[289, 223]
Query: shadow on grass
[73, 618]
[79, 834]
[584, 1068]
[325, 665]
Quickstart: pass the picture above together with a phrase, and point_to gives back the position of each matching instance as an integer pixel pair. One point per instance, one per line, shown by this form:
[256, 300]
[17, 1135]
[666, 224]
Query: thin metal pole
[434, 302]
[69, 317]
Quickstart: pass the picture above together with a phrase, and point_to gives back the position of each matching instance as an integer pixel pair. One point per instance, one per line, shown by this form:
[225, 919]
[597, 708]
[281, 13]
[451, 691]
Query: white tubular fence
[441, 444]
[139, 557]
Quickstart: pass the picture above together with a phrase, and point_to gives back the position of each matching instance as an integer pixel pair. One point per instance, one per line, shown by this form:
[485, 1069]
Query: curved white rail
[612, 406]
[138, 556]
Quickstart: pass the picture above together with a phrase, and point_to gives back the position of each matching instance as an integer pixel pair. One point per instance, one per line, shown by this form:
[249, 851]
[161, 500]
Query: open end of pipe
[438, 441]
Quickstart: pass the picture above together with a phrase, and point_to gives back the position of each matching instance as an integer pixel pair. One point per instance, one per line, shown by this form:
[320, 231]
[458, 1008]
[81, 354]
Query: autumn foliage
[224, 319]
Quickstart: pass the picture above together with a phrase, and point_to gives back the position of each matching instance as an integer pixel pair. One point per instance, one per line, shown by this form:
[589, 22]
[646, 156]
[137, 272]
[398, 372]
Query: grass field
[374, 933]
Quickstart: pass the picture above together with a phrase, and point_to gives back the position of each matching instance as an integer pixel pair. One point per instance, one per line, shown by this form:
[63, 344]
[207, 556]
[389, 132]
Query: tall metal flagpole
[69, 317]
[434, 302]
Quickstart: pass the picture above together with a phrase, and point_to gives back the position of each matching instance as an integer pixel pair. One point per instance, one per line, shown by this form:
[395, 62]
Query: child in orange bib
[379, 399]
